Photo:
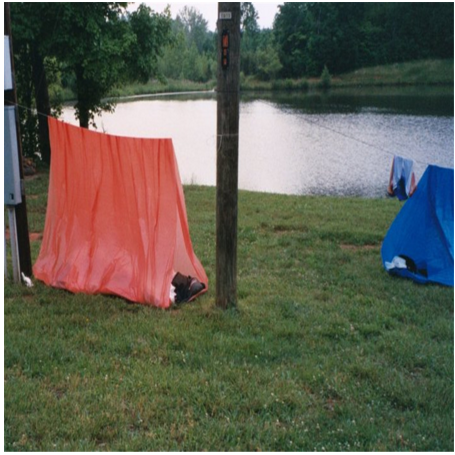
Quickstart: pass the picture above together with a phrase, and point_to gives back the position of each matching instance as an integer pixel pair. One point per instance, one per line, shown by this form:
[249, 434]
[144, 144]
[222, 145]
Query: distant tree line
[191, 52]
[308, 36]
[347, 36]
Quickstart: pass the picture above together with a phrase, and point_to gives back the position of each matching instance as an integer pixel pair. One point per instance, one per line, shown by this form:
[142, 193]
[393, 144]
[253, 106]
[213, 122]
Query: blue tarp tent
[419, 243]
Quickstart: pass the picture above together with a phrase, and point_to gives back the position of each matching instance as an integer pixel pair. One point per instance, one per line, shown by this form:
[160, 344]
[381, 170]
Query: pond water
[338, 143]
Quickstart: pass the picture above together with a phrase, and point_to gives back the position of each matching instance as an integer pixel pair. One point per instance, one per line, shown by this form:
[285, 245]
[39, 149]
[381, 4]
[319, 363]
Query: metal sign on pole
[14, 175]
[12, 183]
[8, 74]
[228, 89]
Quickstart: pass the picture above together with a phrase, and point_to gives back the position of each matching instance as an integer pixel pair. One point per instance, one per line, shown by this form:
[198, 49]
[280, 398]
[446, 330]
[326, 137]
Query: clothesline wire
[347, 136]
[33, 111]
[352, 138]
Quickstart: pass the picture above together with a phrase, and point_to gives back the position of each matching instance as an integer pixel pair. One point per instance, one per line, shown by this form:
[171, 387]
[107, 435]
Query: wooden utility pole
[23, 239]
[227, 153]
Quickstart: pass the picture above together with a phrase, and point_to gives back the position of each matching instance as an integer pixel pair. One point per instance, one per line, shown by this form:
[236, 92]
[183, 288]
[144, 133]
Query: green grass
[153, 87]
[156, 87]
[418, 73]
[423, 72]
[325, 352]
[249, 84]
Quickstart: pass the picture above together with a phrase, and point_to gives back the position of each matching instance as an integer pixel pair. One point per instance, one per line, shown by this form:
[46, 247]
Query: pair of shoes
[187, 288]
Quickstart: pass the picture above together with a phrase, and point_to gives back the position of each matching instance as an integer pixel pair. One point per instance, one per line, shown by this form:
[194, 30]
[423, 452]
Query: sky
[209, 10]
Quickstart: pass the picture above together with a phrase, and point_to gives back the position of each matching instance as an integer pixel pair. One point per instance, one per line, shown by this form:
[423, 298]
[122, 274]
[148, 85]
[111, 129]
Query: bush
[283, 84]
[302, 84]
[326, 80]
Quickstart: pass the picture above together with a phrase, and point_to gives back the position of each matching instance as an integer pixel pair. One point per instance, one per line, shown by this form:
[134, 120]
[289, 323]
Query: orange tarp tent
[116, 219]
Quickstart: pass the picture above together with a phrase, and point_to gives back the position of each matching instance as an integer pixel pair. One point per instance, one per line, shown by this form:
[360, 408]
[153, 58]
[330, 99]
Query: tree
[248, 18]
[292, 29]
[194, 26]
[103, 48]
[31, 79]
[191, 52]
[249, 30]
[258, 50]
[98, 43]
[345, 36]
[268, 63]
[150, 34]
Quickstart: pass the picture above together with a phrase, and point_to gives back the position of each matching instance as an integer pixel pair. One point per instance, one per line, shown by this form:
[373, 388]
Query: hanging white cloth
[402, 183]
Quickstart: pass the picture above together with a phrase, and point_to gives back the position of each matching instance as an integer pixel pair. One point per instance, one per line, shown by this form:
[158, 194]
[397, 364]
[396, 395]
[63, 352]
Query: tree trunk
[84, 115]
[82, 109]
[42, 104]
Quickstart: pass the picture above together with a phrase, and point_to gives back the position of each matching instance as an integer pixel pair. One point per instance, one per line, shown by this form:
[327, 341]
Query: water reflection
[340, 143]
[434, 101]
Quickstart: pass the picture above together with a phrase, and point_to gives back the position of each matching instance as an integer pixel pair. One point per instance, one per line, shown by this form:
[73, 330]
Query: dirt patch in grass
[35, 236]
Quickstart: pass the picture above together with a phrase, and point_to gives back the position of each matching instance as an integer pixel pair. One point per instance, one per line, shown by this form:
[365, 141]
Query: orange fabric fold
[116, 220]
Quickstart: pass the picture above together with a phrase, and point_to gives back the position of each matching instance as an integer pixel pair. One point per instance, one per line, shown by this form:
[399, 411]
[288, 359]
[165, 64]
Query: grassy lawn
[325, 352]
[422, 72]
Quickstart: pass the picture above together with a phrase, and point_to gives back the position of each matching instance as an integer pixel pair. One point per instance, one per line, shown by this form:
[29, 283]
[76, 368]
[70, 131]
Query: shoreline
[310, 91]
[418, 74]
